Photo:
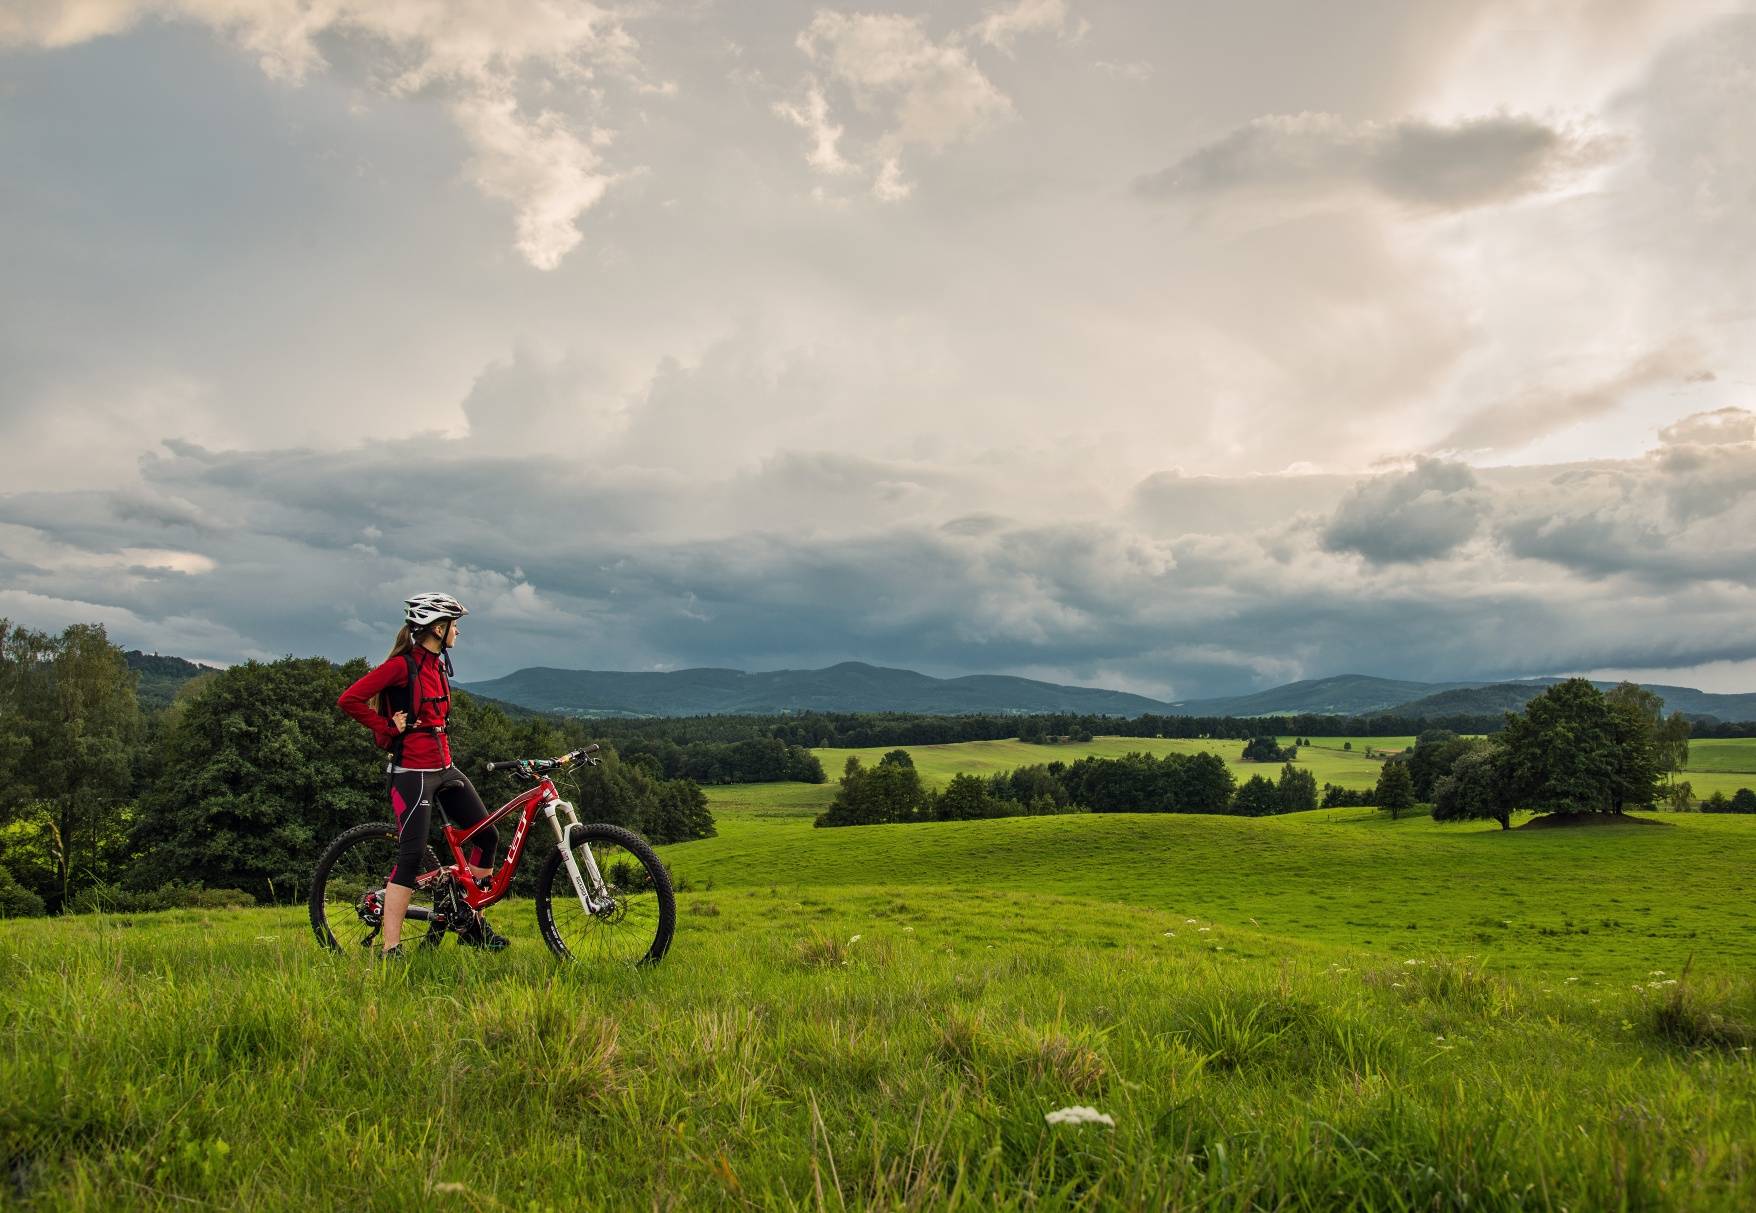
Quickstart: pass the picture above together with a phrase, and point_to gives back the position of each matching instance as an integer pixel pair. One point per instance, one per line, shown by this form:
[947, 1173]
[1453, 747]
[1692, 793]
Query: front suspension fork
[588, 886]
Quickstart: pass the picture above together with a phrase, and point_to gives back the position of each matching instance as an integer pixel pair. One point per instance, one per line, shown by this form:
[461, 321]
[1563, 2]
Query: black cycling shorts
[412, 796]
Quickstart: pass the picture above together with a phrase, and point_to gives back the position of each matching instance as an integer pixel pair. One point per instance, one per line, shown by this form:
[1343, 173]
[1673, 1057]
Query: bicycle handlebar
[542, 766]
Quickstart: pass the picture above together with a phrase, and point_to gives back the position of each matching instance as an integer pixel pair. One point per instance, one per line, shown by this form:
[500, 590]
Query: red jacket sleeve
[355, 700]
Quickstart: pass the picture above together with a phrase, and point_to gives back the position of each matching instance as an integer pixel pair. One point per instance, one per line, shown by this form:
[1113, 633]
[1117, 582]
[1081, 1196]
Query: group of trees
[1741, 801]
[892, 791]
[857, 730]
[1269, 749]
[868, 730]
[240, 780]
[1574, 749]
[752, 760]
[72, 753]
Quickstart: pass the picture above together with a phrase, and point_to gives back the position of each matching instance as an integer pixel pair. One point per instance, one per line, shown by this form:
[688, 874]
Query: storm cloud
[294, 550]
[1421, 514]
[1413, 162]
[1182, 349]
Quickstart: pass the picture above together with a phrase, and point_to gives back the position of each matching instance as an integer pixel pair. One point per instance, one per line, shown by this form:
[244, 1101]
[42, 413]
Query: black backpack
[407, 698]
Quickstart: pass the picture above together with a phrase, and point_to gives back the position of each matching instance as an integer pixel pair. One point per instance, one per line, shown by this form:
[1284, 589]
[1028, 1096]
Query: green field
[938, 763]
[1732, 754]
[1319, 1011]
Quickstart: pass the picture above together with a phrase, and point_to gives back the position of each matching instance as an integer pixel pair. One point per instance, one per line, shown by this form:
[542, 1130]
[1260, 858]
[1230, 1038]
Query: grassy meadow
[1321, 1011]
[938, 763]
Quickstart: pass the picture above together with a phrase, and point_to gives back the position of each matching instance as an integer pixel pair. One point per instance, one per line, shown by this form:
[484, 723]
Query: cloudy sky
[1178, 347]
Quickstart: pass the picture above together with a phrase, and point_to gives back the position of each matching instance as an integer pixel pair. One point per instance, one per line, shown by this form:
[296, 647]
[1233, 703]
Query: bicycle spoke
[624, 932]
[346, 907]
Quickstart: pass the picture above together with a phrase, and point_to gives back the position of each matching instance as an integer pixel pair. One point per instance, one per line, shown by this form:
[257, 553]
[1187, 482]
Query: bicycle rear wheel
[634, 927]
[347, 892]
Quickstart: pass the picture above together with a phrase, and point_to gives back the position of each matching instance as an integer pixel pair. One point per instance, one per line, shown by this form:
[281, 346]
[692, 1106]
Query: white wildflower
[1170, 934]
[910, 930]
[1190, 921]
[1656, 973]
[853, 939]
[1204, 930]
[1411, 962]
[1396, 985]
[1570, 981]
[1079, 1115]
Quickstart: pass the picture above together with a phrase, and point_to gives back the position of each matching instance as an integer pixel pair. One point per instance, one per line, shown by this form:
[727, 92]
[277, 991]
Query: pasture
[1731, 754]
[938, 763]
[1326, 1010]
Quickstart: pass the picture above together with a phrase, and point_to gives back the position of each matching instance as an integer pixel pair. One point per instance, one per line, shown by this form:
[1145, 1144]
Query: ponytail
[402, 644]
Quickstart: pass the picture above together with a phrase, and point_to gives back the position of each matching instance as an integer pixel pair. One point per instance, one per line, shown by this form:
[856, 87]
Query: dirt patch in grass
[1552, 821]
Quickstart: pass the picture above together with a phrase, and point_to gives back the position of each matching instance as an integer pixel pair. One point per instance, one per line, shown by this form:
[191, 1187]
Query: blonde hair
[403, 643]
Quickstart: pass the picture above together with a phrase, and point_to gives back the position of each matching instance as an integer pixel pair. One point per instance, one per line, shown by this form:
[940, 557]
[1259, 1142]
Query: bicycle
[614, 902]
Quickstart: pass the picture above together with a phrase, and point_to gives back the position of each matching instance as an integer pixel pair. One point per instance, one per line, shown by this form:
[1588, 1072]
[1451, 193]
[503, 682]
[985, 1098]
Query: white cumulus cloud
[923, 92]
[475, 54]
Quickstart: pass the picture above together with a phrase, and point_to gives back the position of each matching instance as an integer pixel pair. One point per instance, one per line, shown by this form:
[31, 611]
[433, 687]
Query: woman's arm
[356, 701]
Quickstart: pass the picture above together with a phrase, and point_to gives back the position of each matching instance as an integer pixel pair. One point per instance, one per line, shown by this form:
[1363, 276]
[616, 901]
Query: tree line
[241, 779]
[1573, 749]
[892, 790]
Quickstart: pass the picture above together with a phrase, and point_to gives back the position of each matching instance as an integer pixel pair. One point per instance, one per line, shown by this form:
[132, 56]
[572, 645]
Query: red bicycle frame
[527, 803]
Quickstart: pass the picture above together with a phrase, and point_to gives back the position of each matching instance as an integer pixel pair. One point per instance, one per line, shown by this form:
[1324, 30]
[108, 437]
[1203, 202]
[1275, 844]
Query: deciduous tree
[1396, 789]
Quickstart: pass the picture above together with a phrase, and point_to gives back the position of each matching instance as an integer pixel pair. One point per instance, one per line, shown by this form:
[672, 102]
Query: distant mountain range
[854, 686]
[851, 686]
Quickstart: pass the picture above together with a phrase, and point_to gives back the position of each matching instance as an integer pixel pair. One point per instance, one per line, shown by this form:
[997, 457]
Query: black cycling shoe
[393, 955]
[478, 934]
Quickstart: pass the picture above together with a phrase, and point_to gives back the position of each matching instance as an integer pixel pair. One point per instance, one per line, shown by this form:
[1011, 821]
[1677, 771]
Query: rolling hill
[1342, 695]
[854, 686]
[160, 677]
[1512, 696]
[851, 686]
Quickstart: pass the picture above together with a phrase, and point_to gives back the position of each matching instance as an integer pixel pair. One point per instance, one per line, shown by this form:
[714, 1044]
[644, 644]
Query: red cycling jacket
[428, 749]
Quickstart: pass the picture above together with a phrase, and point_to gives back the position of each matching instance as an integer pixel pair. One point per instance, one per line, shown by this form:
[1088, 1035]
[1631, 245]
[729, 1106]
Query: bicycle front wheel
[637, 912]
[347, 892]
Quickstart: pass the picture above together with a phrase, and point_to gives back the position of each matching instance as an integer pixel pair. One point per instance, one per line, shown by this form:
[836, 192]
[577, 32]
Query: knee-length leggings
[412, 795]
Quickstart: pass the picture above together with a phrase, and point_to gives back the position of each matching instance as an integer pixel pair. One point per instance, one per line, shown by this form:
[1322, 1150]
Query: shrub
[1741, 801]
[1257, 798]
[16, 901]
[966, 798]
[1337, 797]
[112, 899]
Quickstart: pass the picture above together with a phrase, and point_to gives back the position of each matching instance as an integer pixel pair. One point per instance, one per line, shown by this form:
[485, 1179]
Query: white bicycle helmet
[425, 609]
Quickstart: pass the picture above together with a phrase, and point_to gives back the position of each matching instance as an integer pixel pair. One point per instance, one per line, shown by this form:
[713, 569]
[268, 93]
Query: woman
[405, 703]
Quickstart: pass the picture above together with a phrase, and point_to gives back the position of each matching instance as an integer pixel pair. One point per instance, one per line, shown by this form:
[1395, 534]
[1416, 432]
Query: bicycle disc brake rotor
[616, 911]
